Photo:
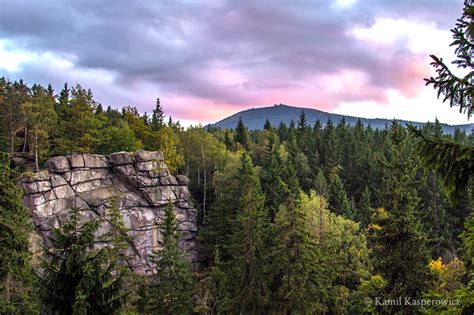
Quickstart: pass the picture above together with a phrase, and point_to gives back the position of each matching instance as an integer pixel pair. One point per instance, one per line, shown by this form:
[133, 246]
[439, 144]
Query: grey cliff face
[139, 183]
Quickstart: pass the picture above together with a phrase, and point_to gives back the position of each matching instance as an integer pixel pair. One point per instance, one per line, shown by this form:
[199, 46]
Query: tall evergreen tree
[400, 250]
[158, 116]
[338, 201]
[298, 273]
[172, 285]
[17, 279]
[267, 125]
[250, 292]
[78, 277]
[241, 135]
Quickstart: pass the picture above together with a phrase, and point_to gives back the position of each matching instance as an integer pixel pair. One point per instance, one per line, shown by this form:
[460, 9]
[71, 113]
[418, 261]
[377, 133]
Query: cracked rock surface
[138, 183]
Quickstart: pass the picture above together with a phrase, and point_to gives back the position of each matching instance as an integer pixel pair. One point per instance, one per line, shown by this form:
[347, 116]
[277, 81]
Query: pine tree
[17, 280]
[321, 185]
[158, 116]
[250, 284]
[172, 285]
[400, 251]
[241, 136]
[338, 201]
[267, 125]
[79, 277]
[275, 189]
[298, 274]
[216, 232]
[365, 208]
[453, 161]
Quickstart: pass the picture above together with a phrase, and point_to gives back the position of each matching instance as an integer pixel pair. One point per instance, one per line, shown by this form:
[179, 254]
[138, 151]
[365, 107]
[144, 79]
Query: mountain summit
[254, 118]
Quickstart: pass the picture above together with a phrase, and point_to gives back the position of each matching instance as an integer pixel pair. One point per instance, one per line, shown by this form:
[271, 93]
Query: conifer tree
[158, 116]
[267, 125]
[298, 273]
[454, 162]
[77, 276]
[241, 136]
[365, 208]
[172, 285]
[400, 251]
[17, 279]
[275, 189]
[250, 292]
[338, 201]
[321, 185]
[217, 231]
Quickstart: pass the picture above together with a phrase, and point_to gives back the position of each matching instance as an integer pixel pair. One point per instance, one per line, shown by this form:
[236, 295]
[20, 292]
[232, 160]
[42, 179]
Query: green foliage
[250, 292]
[458, 90]
[298, 272]
[338, 201]
[241, 136]
[78, 275]
[171, 287]
[158, 116]
[364, 298]
[17, 278]
[40, 119]
[452, 161]
[400, 252]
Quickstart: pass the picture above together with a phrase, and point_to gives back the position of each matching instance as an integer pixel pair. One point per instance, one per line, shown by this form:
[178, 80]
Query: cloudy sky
[207, 59]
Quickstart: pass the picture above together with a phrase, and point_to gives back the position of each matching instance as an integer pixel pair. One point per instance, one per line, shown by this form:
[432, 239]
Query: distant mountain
[255, 118]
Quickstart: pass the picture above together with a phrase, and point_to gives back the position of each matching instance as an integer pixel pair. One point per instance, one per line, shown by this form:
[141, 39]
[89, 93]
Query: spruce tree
[78, 276]
[321, 185]
[17, 278]
[158, 116]
[250, 292]
[171, 288]
[338, 201]
[299, 279]
[267, 125]
[275, 189]
[241, 136]
[365, 208]
[454, 162]
[400, 250]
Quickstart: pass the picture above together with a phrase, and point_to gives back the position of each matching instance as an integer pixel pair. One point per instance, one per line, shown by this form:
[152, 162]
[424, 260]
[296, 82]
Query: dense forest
[295, 219]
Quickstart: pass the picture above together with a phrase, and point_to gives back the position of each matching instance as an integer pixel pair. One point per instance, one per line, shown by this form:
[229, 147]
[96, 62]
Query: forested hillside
[296, 218]
[255, 118]
[300, 218]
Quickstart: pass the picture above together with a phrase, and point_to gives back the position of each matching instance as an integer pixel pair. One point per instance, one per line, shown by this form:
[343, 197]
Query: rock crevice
[138, 183]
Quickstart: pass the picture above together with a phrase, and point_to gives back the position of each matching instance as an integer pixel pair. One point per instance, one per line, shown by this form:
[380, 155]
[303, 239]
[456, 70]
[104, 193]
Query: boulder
[121, 158]
[76, 160]
[95, 161]
[182, 180]
[59, 164]
[146, 156]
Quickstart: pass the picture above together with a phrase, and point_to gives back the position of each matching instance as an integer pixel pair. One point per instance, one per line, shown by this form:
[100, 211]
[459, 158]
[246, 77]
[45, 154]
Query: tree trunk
[36, 151]
[25, 139]
[205, 184]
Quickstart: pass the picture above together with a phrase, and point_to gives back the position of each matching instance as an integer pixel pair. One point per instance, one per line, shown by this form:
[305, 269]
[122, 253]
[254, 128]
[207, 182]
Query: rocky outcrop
[139, 183]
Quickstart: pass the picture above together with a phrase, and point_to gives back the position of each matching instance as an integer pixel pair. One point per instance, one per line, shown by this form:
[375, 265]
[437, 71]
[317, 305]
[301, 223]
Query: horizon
[209, 60]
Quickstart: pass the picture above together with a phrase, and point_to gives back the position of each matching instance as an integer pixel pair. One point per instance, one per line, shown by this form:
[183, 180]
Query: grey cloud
[168, 43]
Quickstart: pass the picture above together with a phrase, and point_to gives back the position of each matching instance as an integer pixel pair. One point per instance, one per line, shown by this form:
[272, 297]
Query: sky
[206, 59]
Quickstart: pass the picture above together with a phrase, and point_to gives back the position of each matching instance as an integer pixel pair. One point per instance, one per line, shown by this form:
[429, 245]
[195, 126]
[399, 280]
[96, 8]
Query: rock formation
[138, 183]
